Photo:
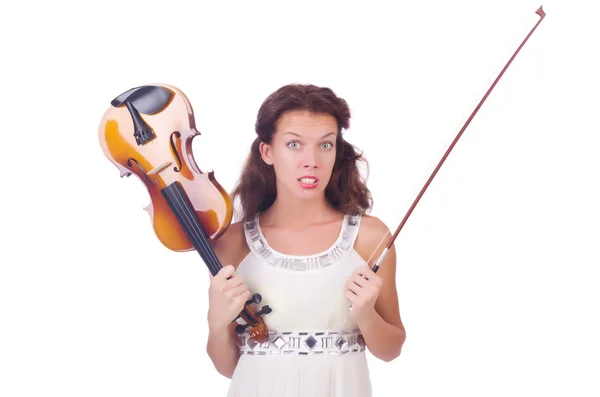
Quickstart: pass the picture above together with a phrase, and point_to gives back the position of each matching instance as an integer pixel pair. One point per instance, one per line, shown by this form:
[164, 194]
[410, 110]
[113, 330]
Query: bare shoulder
[373, 234]
[231, 247]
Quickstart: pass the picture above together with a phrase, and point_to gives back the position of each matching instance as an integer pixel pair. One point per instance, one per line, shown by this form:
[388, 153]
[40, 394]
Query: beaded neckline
[260, 247]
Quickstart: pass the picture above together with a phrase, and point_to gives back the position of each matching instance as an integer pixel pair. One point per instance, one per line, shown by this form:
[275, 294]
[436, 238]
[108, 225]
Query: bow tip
[541, 12]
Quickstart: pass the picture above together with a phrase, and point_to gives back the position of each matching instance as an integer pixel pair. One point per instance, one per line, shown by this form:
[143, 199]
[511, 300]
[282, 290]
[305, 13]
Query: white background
[497, 265]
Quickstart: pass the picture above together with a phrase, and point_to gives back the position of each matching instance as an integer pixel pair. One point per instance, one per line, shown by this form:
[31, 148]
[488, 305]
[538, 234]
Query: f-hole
[141, 169]
[174, 136]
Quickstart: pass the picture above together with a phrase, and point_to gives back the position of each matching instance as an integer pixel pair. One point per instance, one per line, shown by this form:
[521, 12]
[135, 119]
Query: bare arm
[381, 327]
[223, 350]
[379, 320]
[227, 295]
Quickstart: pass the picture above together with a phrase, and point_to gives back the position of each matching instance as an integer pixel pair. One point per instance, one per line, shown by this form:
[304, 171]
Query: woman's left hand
[362, 290]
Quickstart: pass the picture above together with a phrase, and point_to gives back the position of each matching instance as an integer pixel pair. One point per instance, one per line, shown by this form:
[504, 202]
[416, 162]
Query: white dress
[314, 349]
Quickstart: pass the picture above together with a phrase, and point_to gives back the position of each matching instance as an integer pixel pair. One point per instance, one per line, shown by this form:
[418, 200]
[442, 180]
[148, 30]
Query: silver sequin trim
[261, 248]
[304, 343]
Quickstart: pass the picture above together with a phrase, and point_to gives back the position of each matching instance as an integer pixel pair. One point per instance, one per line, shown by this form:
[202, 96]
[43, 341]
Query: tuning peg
[256, 298]
[240, 328]
[265, 310]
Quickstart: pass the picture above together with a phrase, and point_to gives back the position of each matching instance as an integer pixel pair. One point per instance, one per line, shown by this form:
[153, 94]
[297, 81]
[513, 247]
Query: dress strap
[260, 247]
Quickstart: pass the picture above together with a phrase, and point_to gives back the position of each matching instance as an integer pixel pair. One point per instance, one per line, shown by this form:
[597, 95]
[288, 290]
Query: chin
[310, 193]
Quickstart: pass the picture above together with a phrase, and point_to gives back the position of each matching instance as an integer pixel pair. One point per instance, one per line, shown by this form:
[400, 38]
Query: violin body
[148, 131]
[164, 157]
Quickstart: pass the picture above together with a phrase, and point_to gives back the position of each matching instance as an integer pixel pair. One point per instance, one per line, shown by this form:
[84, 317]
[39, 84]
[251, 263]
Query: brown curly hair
[346, 191]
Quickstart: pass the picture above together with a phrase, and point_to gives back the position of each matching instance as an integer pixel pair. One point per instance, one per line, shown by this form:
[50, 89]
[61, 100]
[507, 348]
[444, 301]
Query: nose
[310, 161]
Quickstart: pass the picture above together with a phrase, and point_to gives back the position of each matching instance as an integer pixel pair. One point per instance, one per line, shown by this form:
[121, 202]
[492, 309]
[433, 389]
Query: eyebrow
[300, 136]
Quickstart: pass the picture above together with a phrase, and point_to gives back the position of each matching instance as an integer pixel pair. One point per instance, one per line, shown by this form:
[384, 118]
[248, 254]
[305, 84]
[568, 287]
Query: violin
[148, 131]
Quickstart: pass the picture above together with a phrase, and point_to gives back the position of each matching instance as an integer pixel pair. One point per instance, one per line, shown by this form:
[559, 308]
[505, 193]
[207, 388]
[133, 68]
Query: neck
[290, 210]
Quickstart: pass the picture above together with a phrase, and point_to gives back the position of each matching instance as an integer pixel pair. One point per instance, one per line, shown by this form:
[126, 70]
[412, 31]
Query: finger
[352, 287]
[352, 298]
[242, 298]
[236, 291]
[223, 284]
[366, 272]
[226, 272]
[234, 282]
[358, 280]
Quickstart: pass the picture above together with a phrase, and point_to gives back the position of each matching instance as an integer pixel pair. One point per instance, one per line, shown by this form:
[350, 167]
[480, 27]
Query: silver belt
[304, 343]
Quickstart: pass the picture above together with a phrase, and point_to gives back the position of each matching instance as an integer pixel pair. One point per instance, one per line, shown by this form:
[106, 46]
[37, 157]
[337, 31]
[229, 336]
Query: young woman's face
[302, 152]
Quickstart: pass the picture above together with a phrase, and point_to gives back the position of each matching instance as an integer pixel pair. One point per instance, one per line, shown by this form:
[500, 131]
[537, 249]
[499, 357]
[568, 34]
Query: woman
[304, 242]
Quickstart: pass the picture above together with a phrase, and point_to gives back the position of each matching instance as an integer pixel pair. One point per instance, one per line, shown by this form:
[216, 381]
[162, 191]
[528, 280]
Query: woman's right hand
[227, 295]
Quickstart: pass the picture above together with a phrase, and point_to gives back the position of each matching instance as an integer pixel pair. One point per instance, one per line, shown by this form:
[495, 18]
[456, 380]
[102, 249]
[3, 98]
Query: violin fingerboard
[184, 211]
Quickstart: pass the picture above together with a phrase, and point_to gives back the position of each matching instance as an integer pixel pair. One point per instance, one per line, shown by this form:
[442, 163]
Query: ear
[266, 153]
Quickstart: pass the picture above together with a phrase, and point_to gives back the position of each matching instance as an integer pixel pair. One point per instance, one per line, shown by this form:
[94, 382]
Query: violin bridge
[158, 169]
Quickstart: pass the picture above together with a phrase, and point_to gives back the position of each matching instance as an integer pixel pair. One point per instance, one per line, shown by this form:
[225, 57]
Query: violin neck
[184, 211]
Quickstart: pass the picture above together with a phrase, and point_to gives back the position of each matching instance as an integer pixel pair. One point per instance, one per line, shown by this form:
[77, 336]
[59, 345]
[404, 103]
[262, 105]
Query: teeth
[308, 180]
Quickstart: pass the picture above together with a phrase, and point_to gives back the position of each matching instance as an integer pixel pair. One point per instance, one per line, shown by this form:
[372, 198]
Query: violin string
[185, 210]
[208, 251]
[203, 243]
[180, 209]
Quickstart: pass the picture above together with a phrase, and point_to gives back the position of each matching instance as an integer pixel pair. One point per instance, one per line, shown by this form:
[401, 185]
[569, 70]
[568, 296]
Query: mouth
[308, 182]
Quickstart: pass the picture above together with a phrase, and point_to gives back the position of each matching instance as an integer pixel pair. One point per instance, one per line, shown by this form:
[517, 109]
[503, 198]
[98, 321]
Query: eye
[327, 145]
[293, 145]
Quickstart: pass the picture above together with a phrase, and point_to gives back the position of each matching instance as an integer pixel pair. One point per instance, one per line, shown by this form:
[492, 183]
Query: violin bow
[390, 243]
